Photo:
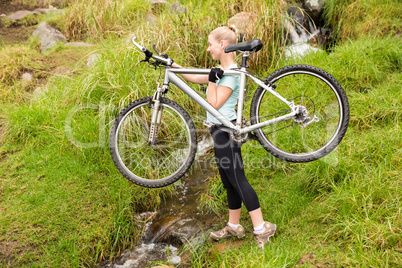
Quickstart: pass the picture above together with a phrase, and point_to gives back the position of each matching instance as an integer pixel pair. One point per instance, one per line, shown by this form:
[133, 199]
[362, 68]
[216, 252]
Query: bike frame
[171, 77]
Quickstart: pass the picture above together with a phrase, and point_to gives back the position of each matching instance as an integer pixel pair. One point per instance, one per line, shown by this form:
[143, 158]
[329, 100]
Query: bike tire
[159, 164]
[320, 94]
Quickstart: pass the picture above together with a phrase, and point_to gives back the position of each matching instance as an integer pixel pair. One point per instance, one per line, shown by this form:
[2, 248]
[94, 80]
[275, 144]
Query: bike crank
[241, 138]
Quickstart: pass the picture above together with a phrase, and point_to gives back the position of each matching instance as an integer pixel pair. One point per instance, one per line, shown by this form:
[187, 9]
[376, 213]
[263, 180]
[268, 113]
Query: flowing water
[177, 222]
[299, 37]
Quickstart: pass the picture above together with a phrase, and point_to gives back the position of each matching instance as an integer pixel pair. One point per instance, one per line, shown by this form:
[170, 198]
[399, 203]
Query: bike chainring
[241, 138]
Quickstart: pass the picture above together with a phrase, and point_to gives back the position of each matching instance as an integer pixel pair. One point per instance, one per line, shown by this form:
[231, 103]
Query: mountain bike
[299, 113]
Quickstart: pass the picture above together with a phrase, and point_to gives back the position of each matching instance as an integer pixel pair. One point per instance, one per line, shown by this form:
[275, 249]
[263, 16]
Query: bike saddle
[252, 46]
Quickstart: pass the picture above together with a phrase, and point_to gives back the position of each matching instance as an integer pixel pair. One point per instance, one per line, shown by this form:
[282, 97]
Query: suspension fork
[156, 116]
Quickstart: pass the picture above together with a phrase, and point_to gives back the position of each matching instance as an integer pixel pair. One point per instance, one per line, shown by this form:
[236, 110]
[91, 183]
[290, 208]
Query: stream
[176, 223]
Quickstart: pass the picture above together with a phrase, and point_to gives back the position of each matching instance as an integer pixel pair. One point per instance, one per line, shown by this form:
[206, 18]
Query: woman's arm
[193, 78]
[218, 95]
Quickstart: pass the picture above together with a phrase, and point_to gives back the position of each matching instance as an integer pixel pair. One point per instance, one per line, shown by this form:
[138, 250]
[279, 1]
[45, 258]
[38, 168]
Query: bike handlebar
[149, 54]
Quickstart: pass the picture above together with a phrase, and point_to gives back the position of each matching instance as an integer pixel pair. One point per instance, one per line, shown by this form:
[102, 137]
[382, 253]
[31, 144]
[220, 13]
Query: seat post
[245, 58]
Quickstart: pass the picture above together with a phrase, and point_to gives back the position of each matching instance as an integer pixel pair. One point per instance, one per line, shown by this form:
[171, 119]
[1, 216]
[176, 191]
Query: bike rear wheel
[318, 96]
[159, 163]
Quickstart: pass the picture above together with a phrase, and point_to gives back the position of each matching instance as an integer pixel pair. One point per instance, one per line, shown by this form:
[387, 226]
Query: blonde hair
[226, 33]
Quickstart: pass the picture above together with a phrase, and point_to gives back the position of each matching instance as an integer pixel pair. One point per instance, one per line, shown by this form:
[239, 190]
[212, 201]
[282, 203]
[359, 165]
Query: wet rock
[175, 260]
[177, 8]
[314, 8]
[245, 23]
[299, 17]
[48, 36]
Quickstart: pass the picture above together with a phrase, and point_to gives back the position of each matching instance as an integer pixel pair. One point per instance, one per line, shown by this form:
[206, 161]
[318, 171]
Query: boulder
[48, 36]
[314, 8]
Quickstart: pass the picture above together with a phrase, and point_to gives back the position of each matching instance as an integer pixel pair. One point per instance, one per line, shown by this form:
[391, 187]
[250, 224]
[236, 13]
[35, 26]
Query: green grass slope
[64, 204]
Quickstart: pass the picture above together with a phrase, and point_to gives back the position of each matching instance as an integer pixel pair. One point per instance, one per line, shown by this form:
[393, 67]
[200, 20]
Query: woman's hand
[215, 74]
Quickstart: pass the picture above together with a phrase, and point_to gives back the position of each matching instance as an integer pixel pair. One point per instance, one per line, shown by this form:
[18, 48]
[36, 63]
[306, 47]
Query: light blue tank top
[228, 108]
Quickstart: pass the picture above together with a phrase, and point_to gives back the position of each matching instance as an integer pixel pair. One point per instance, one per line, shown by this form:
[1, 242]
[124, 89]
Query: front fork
[156, 116]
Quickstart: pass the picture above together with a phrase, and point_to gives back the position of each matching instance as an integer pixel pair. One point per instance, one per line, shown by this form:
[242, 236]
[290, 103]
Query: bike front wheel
[158, 163]
[321, 120]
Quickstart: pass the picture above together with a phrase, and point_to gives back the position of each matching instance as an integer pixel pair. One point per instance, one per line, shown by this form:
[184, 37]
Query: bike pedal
[208, 124]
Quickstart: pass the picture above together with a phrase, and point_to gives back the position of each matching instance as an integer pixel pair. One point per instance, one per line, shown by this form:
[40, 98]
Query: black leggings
[231, 169]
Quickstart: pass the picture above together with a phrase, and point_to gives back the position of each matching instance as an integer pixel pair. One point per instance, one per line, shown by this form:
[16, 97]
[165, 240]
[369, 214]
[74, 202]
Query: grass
[351, 19]
[64, 204]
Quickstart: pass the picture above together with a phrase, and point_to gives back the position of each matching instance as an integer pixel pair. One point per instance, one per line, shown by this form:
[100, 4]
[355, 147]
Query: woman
[222, 94]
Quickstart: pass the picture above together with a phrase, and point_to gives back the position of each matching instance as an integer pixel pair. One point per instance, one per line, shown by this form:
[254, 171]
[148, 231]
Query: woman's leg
[230, 165]
[234, 216]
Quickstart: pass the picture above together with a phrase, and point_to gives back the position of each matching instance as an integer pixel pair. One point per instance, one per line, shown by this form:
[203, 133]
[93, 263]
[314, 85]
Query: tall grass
[183, 36]
[354, 19]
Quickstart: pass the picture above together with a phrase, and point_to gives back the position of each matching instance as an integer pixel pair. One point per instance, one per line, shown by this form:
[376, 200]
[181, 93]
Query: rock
[62, 70]
[38, 92]
[27, 77]
[314, 8]
[48, 36]
[92, 59]
[20, 14]
[45, 10]
[245, 23]
[158, 2]
[151, 19]
[177, 8]
[175, 260]
[78, 44]
[299, 16]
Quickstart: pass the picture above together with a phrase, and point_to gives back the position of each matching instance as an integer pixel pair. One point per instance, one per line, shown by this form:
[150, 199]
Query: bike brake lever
[144, 60]
[156, 50]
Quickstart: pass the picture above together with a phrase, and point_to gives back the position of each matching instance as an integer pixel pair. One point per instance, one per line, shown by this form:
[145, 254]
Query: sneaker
[263, 238]
[227, 232]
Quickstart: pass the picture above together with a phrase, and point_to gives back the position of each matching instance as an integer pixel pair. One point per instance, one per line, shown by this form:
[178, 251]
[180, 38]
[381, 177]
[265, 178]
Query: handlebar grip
[148, 53]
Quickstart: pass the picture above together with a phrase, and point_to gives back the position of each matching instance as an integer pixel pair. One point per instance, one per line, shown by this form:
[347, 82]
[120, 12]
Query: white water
[299, 38]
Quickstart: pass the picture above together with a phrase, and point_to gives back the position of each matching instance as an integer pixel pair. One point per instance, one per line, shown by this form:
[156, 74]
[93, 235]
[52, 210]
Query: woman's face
[215, 48]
